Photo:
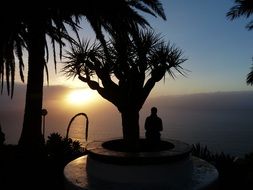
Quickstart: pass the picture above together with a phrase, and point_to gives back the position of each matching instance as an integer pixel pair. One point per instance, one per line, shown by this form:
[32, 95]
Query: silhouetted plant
[201, 152]
[234, 173]
[216, 158]
[243, 8]
[76, 147]
[127, 69]
[2, 137]
[250, 76]
[63, 149]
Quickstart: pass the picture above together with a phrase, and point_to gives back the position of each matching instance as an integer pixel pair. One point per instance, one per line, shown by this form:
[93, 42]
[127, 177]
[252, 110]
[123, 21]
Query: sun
[80, 96]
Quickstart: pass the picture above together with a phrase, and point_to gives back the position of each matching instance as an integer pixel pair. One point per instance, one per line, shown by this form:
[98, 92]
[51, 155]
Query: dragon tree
[124, 72]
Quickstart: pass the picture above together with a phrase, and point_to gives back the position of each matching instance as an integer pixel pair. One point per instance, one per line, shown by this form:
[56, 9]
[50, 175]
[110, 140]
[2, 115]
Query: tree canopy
[131, 68]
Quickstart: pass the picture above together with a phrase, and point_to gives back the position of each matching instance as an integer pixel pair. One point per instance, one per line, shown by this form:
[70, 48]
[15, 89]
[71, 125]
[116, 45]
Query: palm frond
[1, 72]
[249, 26]
[138, 5]
[19, 54]
[250, 77]
[47, 74]
[241, 8]
[156, 6]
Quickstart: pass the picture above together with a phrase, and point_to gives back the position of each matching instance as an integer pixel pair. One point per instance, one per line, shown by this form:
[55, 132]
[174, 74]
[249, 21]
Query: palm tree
[243, 8]
[127, 75]
[28, 28]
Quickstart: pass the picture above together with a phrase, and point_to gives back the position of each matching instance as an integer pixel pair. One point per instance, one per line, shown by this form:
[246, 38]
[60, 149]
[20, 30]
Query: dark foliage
[2, 137]
[64, 149]
[20, 169]
[234, 172]
[243, 8]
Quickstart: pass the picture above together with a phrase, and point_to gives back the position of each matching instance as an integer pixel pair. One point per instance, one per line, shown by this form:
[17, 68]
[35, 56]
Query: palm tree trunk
[31, 136]
[131, 131]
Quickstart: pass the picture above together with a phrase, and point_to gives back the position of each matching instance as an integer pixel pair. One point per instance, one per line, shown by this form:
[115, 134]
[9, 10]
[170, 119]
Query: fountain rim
[97, 151]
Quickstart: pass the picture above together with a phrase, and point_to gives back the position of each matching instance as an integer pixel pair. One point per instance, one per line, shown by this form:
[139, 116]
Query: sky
[218, 51]
[219, 56]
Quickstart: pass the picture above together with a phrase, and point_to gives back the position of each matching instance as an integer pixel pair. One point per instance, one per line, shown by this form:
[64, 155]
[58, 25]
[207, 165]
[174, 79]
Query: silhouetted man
[153, 126]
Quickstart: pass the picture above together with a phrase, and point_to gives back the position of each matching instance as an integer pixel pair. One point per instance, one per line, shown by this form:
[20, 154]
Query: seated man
[153, 126]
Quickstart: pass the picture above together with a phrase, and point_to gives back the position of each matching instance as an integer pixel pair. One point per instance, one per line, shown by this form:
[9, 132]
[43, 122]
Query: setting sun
[80, 96]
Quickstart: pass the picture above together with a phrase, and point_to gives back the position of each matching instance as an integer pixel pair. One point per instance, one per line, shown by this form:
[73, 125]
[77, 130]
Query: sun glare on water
[80, 96]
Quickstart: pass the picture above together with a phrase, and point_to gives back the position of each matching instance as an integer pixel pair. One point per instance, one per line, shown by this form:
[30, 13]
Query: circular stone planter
[170, 166]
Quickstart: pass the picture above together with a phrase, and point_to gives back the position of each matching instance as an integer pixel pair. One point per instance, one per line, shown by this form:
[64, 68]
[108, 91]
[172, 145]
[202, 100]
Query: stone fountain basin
[171, 166]
[113, 151]
[107, 161]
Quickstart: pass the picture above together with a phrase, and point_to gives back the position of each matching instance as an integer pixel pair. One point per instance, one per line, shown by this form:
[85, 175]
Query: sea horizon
[222, 121]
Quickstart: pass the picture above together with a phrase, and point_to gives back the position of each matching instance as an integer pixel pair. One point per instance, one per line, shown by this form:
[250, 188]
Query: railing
[86, 127]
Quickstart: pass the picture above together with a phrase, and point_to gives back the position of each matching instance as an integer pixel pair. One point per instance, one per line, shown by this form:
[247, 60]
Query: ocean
[222, 121]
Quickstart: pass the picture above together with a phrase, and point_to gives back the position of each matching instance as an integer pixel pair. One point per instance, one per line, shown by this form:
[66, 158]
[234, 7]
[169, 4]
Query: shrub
[63, 149]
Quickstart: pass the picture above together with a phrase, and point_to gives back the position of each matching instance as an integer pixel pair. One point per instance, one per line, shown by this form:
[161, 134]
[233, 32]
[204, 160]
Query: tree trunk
[131, 131]
[31, 136]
